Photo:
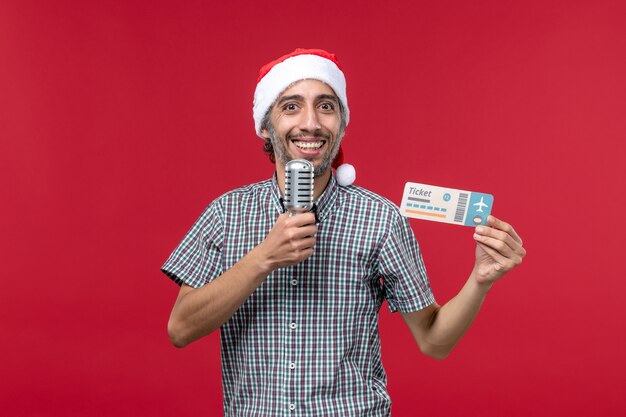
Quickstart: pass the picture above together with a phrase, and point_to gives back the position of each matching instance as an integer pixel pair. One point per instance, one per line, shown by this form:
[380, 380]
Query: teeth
[308, 145]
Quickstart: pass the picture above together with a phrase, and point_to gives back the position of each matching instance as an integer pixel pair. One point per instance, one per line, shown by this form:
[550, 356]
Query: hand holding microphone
[292, 237]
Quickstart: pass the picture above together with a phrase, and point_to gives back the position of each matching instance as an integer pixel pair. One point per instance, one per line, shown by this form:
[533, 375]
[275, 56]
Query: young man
[297, 297]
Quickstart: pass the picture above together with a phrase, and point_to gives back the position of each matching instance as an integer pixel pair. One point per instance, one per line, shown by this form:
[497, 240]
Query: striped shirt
[306, 342]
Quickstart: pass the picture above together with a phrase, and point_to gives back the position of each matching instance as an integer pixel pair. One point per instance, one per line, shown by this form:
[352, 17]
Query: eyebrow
[299, 97]
[330, 97]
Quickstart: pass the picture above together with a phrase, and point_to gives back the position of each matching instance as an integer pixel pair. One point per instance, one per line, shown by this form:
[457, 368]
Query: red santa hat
[303, 64]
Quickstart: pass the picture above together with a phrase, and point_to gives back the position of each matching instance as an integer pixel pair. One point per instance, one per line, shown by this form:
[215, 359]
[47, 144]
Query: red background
[120, 121]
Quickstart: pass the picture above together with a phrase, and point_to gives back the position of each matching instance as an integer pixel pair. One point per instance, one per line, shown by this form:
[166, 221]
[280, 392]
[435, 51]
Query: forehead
[308, 89]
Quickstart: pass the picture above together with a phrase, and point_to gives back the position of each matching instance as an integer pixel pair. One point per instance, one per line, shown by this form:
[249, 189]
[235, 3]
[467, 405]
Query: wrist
[481, 282]
[260, 261]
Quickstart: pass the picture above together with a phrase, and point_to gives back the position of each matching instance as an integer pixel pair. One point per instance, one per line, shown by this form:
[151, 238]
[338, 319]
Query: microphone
[298, 186]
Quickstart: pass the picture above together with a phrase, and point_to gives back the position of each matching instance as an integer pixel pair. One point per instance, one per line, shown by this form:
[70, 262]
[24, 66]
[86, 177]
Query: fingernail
[479, 229]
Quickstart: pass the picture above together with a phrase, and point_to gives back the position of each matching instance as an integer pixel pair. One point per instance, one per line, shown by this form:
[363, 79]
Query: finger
[302, 249]
[494, 243]
[304, 231]
[505, 255]
[305, 253]
[294, 235]
[492, 236]
[300, 220]
[308, 218]
[305, 243]
[496, 223]
[502, 263]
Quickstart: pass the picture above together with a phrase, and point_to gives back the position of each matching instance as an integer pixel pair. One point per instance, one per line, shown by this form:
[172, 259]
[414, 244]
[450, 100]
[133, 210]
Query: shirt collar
[326, 201]
[277, 199]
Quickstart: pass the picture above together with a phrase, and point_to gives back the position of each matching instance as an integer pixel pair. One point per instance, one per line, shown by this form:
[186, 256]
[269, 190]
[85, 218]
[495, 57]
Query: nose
[310, 120]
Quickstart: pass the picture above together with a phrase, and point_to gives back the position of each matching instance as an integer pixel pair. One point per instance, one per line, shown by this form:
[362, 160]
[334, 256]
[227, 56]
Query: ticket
[447, 205]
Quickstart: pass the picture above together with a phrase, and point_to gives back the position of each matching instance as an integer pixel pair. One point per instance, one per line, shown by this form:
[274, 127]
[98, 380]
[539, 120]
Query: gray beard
[283, 156]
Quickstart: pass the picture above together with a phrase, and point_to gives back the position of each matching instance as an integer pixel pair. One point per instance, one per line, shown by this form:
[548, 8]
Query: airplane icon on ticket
[480, 205]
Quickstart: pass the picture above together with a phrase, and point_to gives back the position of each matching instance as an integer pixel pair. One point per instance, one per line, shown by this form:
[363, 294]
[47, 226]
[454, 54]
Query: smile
[309, 146]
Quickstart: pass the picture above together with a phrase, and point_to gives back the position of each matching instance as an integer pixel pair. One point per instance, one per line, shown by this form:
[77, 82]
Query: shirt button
[294, 282]
[293, 326]
[292, 407]
[292, 365]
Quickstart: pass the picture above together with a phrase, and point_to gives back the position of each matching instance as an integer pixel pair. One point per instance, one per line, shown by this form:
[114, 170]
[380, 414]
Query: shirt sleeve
[405, 280]
[197, 260]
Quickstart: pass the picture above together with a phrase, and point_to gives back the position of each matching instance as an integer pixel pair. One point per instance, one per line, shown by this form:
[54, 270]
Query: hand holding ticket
[447, 205]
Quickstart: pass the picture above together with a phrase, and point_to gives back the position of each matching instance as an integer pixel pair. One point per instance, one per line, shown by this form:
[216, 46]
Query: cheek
[332, 123]
[282, 126]
[280, 119]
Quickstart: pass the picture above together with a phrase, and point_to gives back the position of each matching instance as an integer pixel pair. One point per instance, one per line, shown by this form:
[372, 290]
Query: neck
[319, 182]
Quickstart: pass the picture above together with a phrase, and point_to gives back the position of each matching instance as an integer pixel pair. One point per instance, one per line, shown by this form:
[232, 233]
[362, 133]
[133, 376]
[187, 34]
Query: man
[297, 297]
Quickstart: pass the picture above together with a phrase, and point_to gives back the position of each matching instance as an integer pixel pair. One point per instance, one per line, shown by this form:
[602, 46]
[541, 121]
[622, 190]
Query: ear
[265, 133]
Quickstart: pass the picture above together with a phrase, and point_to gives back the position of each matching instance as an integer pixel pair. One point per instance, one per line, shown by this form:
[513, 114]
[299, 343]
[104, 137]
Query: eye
[290, 107]
[327, 106]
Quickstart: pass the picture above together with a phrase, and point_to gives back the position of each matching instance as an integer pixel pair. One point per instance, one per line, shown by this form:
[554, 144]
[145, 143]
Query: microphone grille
[299, 185]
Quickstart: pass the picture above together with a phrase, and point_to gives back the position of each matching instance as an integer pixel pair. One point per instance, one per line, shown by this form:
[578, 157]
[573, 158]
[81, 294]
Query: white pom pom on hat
[302, 64]
[346, 174]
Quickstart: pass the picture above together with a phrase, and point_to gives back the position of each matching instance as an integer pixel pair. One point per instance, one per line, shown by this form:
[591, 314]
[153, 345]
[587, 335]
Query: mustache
[304, 134]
